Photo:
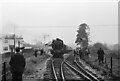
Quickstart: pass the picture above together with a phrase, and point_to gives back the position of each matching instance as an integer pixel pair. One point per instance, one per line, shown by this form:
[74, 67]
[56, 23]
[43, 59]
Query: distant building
[7, 42]
[49, 45]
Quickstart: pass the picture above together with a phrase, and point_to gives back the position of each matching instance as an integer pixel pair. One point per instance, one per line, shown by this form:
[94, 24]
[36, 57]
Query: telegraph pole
[45, 39]
[19, 44]
[14, 38]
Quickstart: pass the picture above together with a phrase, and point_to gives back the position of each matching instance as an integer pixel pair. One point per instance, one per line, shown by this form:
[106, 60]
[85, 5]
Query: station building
[7, 43]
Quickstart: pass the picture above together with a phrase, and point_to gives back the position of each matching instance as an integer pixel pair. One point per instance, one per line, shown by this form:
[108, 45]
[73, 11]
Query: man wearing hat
[17, 65]
[100, 53]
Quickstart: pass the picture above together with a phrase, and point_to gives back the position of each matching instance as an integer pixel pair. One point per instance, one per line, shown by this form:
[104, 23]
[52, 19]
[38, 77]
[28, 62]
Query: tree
[94, 48]
[100, 45]
[83, 35]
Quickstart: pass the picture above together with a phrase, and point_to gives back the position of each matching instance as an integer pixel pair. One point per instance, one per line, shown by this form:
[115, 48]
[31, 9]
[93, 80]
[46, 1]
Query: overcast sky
[60, 18]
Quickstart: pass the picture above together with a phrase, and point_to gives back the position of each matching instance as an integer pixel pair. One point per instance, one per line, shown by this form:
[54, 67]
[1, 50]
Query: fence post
[111, 65]
[4, 72]
[105, 60]
[106, 65]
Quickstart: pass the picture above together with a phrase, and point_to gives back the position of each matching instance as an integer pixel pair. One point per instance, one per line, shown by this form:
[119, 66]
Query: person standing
[100, 53]
[17, 64]
[42, 51]
[80, 53]
[36, 52]
[74, 51]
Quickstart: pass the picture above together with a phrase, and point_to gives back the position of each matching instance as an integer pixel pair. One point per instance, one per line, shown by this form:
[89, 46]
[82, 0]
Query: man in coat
[80, 53]
[100, 53]
[17, 65]
[42, 51]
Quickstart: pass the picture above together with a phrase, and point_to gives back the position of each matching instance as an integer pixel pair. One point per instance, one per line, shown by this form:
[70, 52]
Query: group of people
[81, 54]
[39, 51]
[78, 52]
[17, 62]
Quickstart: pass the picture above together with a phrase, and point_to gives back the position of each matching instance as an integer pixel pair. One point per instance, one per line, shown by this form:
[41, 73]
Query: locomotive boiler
[58, 48]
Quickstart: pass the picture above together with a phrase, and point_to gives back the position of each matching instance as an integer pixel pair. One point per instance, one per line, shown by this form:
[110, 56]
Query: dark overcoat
[17, 63]
[100, 53]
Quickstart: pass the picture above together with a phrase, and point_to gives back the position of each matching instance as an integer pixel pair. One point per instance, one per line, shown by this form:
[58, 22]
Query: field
[33, 64]
[31, 61]
[6, 57]
[115, 63]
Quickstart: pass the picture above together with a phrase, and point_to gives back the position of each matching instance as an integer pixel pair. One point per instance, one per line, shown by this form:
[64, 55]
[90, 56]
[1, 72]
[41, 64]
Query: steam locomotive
[59, 48]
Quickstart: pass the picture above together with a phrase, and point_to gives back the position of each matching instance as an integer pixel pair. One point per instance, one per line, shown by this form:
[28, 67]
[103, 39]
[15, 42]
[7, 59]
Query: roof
[11, 36]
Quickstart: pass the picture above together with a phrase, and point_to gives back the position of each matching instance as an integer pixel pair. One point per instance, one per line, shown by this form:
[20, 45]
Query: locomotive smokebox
[58, 48]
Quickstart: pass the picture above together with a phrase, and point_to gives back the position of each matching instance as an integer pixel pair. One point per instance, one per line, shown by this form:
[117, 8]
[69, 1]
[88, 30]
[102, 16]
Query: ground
[115, 66]
[35, 68]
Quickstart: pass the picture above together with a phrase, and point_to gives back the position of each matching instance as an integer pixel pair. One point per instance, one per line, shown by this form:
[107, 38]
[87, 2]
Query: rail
[61, 70]
[77, 71]
[61, 74]
[54, 73]
[87, 73]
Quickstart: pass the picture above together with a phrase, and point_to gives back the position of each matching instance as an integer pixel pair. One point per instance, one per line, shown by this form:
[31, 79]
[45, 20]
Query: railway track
[57, 69]
[84, 74]
[63, 71]
[91, 76]
[80, 73]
